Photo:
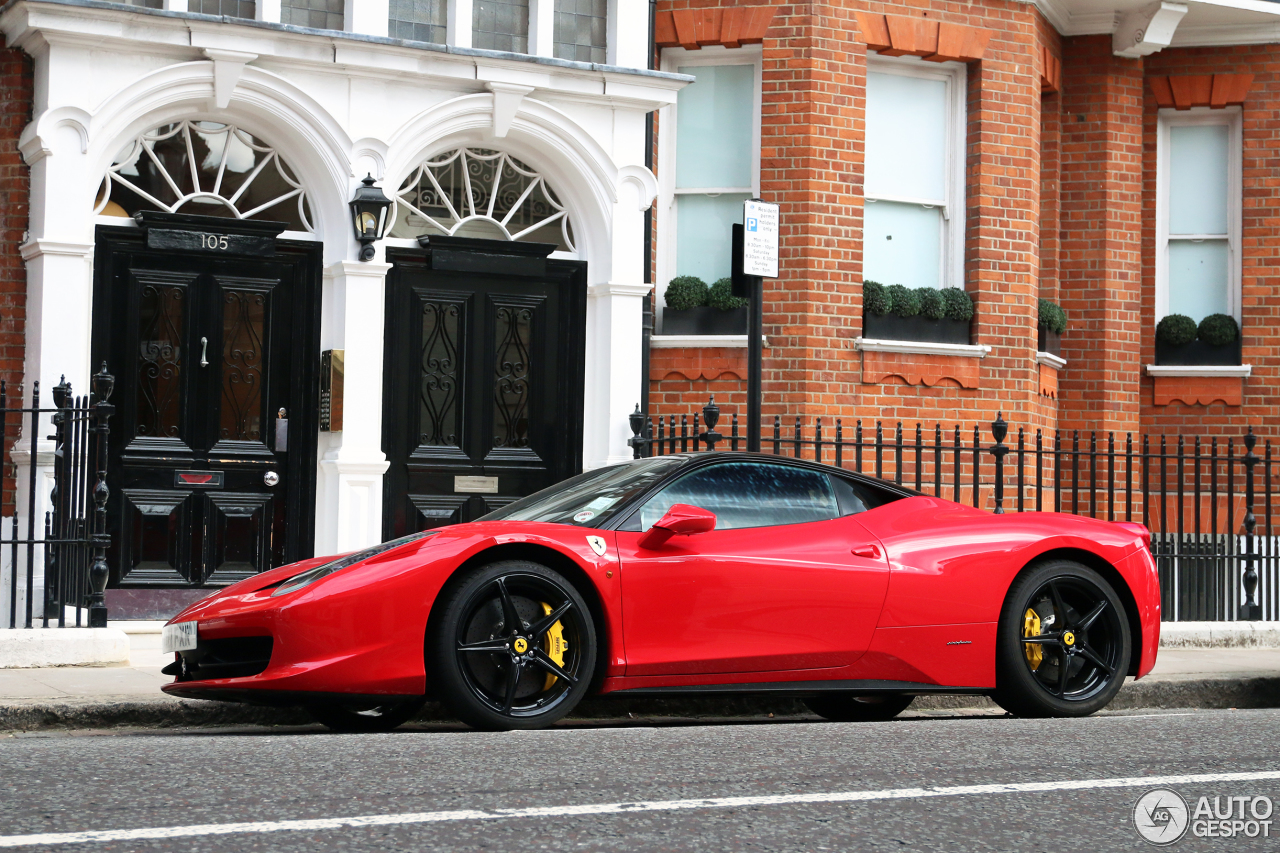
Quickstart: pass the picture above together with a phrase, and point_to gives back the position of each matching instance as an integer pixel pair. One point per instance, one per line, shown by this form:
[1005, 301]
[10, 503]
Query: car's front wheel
[513, 647]
[1062, 644]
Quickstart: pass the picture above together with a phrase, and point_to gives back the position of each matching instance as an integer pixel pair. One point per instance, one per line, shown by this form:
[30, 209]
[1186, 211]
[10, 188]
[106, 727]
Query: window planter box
[704, 321]
[1198, 353]
[891, 328]
[1050, 342]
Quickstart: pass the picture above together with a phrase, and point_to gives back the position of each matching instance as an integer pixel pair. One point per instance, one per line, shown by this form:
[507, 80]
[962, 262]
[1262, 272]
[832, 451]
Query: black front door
[211, 329]
[483, 389]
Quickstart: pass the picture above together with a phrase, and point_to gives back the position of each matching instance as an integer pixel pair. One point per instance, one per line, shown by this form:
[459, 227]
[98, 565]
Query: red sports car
[723, 573]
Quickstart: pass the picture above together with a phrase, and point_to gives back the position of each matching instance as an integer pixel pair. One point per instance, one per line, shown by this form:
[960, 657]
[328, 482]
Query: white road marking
[625, 808]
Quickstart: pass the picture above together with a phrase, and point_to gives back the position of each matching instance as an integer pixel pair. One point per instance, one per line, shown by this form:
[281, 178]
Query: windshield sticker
[585, 515]
[597, 544]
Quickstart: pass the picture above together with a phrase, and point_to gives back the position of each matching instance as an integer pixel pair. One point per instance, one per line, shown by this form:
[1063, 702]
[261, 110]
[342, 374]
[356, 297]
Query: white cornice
[921, 347]
[1208, 370]
[609, 288]
[1063, 17]
[702, 341]
[1055, 361]
[37, 247]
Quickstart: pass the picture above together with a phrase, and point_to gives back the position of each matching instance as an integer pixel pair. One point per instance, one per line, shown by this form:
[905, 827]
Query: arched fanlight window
[476, 192]
[204, 167]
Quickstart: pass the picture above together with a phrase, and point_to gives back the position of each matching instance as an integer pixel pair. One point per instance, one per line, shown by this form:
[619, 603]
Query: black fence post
[711, 417]
[1250, 610]
[55, 582]
[636, 420]
[103, 384]
[999, 429]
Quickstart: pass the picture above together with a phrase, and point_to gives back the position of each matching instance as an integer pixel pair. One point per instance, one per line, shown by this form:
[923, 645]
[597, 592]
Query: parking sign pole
[755, 331]
[755, 258]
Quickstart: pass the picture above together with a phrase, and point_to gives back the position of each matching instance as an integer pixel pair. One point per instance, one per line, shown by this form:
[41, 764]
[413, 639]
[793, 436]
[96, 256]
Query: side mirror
[680, 520]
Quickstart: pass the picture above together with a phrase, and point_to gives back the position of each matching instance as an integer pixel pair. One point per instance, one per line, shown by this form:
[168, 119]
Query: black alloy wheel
[514, 647]
[341, 717]
[1063, 643]
[858, 709]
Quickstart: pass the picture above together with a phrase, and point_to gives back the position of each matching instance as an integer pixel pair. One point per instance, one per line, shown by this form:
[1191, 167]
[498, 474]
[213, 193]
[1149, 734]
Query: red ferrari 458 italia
[724, 573]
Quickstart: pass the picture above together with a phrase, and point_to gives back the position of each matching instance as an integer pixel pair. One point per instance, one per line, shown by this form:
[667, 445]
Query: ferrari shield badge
[597, 544]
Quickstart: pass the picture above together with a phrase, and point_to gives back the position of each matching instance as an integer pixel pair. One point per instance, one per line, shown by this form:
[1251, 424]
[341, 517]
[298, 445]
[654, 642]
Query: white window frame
[1232, 118]
[674, 58]
[954, 74]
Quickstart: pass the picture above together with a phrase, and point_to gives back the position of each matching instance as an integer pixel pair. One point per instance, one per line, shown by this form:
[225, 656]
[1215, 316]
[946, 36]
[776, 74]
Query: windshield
[592, 498]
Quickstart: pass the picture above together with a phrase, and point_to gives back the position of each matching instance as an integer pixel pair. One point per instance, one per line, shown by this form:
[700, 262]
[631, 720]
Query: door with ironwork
[212, 451]
[483, 389]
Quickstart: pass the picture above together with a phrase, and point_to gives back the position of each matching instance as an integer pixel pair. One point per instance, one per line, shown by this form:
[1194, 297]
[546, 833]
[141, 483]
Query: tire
[366, 718]
[496, 677]
[1091, 636]
[858, 709]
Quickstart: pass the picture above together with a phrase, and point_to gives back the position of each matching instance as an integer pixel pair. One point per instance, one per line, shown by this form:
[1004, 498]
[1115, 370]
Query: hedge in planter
[898, 313]
[692, 308]
[1053, 322]
[1216, 341]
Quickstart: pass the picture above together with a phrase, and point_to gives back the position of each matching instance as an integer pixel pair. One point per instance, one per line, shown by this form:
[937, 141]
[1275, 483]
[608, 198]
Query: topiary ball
[931, 305]
[721, 296]
[1218, 330]
[1052, 317]
[959, 304]
[685, 292]
[906, 302]
[876, 299]
[1176, 330]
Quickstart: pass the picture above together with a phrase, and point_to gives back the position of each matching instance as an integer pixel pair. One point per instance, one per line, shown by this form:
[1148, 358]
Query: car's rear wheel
[858, 709]
[366, 717]
[513, 647]
[1062, 644]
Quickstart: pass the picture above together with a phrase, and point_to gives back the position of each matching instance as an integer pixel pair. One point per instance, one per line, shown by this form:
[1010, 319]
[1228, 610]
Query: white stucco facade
[338, 106]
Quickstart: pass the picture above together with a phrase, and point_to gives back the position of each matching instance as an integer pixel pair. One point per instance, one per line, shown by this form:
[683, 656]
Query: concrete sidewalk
[106, 697]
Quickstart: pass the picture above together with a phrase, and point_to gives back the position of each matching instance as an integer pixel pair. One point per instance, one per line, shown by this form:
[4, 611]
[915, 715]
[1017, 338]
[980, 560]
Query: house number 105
[212, 241]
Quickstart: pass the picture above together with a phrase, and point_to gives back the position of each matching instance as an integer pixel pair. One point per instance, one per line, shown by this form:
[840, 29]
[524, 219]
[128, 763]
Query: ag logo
[597, 544]
[1161, 816]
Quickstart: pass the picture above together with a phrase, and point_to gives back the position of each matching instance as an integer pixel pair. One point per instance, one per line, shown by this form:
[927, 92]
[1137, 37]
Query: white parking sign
[760, 239]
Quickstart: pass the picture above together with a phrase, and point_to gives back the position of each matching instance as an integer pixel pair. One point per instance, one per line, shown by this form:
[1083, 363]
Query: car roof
[711, 457]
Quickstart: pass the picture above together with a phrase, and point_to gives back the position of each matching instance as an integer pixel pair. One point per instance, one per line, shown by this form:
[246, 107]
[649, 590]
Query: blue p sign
[752, 224]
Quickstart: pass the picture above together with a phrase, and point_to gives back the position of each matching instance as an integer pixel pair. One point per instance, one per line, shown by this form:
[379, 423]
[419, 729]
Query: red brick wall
[812, 163]
[15, 113]
[1260, 239]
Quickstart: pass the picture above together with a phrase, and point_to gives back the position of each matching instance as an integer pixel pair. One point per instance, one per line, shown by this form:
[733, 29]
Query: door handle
[871, 552]
[204, 351]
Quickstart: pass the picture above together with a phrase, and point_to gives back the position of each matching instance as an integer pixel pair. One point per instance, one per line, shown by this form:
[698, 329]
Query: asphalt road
[131, 781]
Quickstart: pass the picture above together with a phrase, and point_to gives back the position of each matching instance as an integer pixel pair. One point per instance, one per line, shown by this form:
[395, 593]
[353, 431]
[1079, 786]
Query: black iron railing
[68, 542]
[1207, 506]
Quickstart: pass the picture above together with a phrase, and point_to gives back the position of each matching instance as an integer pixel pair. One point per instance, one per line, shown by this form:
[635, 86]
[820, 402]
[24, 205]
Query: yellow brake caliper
[555, 646]
[1030, 628]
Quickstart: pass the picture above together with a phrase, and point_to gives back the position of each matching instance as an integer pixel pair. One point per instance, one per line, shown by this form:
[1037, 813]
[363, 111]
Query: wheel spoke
[1060, 608]
[1064, 670]
[544, 624]
[510, 618]
[513, 681]
[498, 645]
[1093, 615]
[1097, 661]
[1052, 638]
[544, 660]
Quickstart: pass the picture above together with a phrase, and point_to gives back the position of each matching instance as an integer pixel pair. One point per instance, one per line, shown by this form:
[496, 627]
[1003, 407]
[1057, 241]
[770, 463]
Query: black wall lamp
[369, 215]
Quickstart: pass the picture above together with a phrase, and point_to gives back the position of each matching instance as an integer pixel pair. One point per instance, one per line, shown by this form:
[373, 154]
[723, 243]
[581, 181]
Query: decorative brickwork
[1197, 390]
[921, 369]
[15, 113]
[935, 41]
[732, 27]
[1049, 381]
[1201, 90]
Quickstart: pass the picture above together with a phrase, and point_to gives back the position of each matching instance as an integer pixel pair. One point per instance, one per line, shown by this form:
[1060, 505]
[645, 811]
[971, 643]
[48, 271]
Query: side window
[857, 497]
[749, 494]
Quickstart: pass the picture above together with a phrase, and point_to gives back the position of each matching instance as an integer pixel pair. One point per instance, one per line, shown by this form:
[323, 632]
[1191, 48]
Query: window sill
[1218, 371]
[700, 341]
[921, 347]
[1048, 359]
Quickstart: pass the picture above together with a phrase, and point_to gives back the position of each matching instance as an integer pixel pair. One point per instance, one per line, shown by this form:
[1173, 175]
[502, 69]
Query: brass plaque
[476, 485]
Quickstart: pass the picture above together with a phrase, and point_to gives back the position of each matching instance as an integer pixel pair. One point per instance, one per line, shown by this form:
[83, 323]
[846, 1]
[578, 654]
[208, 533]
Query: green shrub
[959, 304]
[1176, 330]
[931, 305]
[1052, 317]
[906, 302]
[721, 296]
[1218, 330]
[686, 291]
[875, 299]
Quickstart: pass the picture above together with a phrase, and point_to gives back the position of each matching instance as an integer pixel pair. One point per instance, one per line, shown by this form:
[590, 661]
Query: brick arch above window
[934, 41]
[1216, 91]
[696, 28]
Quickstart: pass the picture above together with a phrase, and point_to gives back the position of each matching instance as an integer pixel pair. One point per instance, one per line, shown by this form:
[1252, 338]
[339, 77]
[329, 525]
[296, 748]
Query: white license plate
[179, 637]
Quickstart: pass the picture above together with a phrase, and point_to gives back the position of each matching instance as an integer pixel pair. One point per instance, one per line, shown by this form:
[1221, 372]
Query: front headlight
[312, 575]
